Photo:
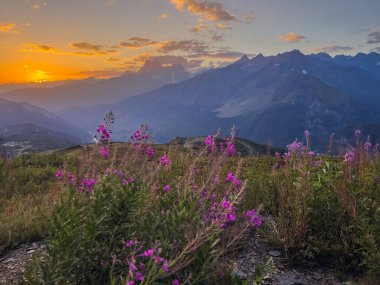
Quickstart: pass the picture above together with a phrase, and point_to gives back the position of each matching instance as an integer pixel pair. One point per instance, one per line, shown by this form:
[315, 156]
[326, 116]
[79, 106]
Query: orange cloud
[137, 42]
[291, 38]
[39, 48]
[164, 16]
[199, 28]
[210, 10]
[8, 28]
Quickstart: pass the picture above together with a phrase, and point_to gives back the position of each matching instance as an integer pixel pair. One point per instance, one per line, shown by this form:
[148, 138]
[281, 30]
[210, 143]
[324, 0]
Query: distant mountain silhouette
[271, 99]
[89, 92]
[22, 115]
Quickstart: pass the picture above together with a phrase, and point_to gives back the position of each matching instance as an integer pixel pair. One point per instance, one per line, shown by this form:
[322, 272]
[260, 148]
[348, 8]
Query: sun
[39, 76]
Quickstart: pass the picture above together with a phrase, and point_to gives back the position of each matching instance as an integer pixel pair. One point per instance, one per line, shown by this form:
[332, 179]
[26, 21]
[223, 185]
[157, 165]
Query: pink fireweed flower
[104, 152]
[349, 156]
[311, 153]
[72, 179]
[104, 133]
[59, 173]
[287, 155]
[357, 133]
[90, 184]
[167, 188]
[307, 134]
[164, 160]
[131, 283]
[165, 266]
[132, 266]
[230, 177]
[148, 253]
[176, 282]
[129, 243]
[294, 147]
[230, 217]
[210, 143]
[277, 154]
[230, 149]
[139, 276]
[226, 205]
[253, 218]
[367, 144]
[131, 180]
[149, 152]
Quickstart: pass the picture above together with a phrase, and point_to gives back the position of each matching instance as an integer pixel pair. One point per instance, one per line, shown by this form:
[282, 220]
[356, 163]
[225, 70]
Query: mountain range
[271, 99]
[90, 92]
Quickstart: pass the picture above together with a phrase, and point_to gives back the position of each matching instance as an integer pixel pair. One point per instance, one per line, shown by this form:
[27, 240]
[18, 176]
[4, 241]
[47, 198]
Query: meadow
[138, 213]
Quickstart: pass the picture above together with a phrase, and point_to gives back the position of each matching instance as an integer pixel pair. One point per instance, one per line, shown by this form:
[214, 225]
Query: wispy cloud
[87, 46]
[199, 28]
[193, 46]
[137, 42]
[291, 37]
[333, 49]
[212, 11]
[8, 28]
[89, 49]
[164, 16]
[374, 36]
[39, 48]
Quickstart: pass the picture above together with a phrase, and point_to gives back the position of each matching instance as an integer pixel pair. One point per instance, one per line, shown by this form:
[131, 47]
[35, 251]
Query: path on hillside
[14, 262]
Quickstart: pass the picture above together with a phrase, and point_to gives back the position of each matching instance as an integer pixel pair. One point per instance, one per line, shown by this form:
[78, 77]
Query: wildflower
[176, 282]
[230, 149]
[230, 217]
[307, 134]
[130, 243]
[104, 133]
[357, 133]
[149, 152]
[165, 266]
[210, 143]
[236, 182]
[349, 156]
[104, 152]
[294, 146]
[230, 177]
[167, 188]
[139, 276]
[217, 180]
[59, 173]
[72, 179]
[164, 160]
[367, 144]
[253, 218]
[277, 154]
[131, 283]
[311, 153]
[287, 155]
[115, 171]
[132, 266]
[226, 205]
[148, 253]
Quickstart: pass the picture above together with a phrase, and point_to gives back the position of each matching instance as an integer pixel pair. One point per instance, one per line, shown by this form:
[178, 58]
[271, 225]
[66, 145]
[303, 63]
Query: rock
[241, 275]
[274, 253]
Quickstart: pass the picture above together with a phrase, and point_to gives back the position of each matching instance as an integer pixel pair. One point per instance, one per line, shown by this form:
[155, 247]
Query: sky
[49, 40]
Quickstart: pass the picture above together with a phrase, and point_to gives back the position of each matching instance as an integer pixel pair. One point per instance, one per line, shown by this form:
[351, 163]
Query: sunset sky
[66, 39]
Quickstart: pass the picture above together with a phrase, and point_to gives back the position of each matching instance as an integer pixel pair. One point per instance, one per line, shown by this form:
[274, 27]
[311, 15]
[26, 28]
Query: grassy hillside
[175, 213]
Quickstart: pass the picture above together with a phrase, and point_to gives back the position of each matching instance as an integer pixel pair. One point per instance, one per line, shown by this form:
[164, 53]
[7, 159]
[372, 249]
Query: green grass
[325, 212]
